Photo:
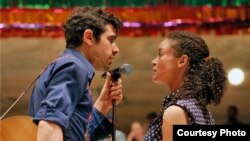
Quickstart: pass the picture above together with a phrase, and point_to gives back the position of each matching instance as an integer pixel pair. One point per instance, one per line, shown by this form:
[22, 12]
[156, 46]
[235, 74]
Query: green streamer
[115, 3]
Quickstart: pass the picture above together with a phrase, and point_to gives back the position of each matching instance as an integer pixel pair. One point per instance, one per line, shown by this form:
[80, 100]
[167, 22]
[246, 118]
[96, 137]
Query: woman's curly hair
[83, 18]
[205, 78]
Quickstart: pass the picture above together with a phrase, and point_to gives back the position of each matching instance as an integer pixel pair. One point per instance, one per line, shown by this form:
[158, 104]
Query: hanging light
[236, 76]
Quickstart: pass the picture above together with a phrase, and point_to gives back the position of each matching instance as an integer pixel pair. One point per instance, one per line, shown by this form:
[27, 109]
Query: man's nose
[115, 48]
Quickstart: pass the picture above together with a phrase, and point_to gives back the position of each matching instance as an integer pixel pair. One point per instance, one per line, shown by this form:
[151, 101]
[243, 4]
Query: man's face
[105, 49]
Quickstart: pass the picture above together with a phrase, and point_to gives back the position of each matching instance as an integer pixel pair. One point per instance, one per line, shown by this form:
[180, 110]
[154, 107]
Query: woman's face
[165, 65]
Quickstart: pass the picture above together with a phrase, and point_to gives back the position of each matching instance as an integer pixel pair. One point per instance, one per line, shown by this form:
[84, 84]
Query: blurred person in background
[233, 116]
[136, 132]
[194, 78]
[149, 118]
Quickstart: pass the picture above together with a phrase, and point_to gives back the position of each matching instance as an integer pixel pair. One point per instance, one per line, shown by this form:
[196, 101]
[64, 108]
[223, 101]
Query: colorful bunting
[138, 21]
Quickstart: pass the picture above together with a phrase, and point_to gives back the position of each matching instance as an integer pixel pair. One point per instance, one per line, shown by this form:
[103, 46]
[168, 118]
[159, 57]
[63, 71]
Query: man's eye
[111, 40]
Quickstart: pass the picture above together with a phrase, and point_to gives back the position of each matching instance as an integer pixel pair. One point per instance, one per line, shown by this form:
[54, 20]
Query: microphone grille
[126, 69]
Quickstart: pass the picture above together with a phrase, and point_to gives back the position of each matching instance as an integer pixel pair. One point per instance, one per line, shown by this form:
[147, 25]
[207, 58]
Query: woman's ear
[88, 37]
[183, 61]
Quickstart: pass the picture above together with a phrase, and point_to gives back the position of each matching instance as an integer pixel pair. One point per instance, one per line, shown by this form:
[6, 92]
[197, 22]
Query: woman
[194, 79]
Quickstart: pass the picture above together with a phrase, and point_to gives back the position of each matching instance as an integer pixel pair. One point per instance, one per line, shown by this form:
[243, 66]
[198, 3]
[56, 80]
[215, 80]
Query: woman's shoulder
[197, 112]
[175, 114]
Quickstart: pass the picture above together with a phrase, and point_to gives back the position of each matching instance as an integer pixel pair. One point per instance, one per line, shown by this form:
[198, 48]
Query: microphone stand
[113, 119]
[115, 75]
[114, 78]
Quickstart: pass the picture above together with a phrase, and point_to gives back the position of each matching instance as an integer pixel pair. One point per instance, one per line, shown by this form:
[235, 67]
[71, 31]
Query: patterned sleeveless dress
[197, 113]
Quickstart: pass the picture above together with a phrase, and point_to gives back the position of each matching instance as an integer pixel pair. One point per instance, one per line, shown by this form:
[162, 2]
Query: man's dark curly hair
[83, 18]
[205, 78]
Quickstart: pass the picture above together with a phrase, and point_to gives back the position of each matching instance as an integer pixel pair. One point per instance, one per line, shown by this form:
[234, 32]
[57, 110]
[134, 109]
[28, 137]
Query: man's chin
[107, 68]
[103, 68]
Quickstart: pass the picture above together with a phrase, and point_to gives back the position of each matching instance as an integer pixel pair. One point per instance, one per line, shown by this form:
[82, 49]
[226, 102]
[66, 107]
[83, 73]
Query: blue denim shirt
[62, 95]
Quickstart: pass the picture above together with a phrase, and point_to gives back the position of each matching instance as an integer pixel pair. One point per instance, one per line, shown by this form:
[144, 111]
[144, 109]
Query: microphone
[124, 69]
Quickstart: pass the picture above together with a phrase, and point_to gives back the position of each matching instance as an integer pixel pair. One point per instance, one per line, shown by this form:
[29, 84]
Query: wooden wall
[23, 58]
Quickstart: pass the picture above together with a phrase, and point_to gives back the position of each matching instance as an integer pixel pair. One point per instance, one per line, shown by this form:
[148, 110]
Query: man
[61, 102]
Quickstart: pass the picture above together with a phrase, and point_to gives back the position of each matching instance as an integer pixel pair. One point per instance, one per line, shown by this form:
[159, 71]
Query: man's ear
[183, 61]
[88, 37]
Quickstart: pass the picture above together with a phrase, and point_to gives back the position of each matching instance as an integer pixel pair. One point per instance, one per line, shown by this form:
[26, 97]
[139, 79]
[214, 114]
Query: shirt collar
[83, 59]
